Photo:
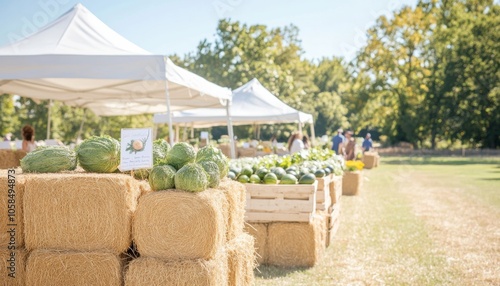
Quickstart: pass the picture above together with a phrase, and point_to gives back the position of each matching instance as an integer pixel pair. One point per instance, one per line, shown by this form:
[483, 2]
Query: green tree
[8, 120]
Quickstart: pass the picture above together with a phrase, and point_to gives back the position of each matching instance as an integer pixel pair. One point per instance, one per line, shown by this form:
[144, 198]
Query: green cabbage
[192, 178]
[212, 154]
[160, 151]
[213, 173]
[181, 154]
[162, 177]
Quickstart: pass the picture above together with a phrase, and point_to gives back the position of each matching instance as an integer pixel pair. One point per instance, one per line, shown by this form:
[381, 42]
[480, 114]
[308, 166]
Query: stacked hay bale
[370, 159]
[77, 226]
[12, 251]
[351, 183]
[9, 159]
[290, 244]
[192, 238]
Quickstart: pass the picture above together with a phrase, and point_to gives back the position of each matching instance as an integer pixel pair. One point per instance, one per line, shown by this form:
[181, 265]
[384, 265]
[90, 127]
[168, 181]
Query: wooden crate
[333, 223]
[280, 203]
[336, 189]
[323, 198]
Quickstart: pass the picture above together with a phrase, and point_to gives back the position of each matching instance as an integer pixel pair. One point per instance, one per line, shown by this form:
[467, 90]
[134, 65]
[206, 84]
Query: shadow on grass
[451, 161]
[490, 179]
[269, 272]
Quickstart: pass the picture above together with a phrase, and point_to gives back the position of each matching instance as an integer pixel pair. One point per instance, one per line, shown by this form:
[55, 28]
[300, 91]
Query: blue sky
[327, 27]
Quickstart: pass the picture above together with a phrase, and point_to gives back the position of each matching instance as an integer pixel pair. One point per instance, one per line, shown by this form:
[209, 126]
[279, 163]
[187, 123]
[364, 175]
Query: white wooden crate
[272, 203]
[323, 198]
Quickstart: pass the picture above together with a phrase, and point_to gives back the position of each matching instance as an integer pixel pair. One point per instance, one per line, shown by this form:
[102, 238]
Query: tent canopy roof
[81, 61]
[252, 104]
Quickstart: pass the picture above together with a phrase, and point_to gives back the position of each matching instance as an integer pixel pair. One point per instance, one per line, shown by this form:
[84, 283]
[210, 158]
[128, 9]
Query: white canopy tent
[252, 104]
[79, 60]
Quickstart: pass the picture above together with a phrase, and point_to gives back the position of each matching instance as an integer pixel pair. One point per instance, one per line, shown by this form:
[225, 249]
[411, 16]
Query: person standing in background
[338, 142]
[367, 143]
[305, 140]
[350, 146]
[28, 134]
[295, 143]
[7, 137]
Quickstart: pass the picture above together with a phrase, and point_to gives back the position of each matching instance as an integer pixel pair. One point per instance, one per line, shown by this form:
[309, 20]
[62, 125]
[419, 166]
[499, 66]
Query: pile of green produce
[179, 166]
[299, 168]
[189, 170]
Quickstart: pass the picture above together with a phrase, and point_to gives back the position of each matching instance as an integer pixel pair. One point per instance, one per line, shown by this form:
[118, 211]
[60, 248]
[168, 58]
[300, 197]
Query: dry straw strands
[11, 206]
[259, 233]
[13, 263]
[370, 160]
[180, 225]
[351, 183]
[148, 271]
[8, 159]
[46, 267]
[296, 244]
[77, 211]
[236, 197]
[336, 189]
[241, 260]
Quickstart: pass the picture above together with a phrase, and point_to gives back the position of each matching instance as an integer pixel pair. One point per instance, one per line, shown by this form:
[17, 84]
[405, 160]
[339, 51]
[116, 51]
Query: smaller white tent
[252, 104]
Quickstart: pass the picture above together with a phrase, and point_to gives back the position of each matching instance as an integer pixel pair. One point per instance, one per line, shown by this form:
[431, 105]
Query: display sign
[136, 149]
[204, 135]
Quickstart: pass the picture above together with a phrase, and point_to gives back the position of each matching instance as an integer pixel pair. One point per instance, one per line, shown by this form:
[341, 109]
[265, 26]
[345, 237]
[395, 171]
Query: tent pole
[177, 133]
[313, 134]
[48, 119]
[192, 130]
[300, 125]
[230, 130]
[185, 134]
[169, 112]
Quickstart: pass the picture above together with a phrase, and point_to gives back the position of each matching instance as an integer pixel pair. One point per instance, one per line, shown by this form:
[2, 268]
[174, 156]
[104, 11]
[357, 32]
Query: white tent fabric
[252, 104]
[79, 60]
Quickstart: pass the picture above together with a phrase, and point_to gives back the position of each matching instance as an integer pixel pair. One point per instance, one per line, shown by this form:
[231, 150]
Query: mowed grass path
[418, 221]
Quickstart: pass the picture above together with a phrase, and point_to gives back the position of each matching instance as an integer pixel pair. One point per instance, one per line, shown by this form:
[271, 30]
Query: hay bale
[180, 225]
[79, 211]
[235, 193]
[370, 160]
[296, 244]
[8, 159]
[241, 260]
[259, 233]
[19, 155]
[144, 187]
[49, 267]
[11, 206]
[149, 271]
[351, 183]
[336, 189]
[12, 267]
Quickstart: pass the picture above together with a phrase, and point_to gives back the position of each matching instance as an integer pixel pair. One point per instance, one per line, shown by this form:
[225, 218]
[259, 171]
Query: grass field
[418, 221]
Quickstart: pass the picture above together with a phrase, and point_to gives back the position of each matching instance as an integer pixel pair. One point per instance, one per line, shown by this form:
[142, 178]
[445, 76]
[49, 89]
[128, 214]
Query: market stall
[252, 104]
[79, 60]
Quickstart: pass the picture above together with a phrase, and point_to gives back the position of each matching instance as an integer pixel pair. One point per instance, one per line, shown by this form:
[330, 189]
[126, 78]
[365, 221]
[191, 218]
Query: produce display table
[285, 203]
